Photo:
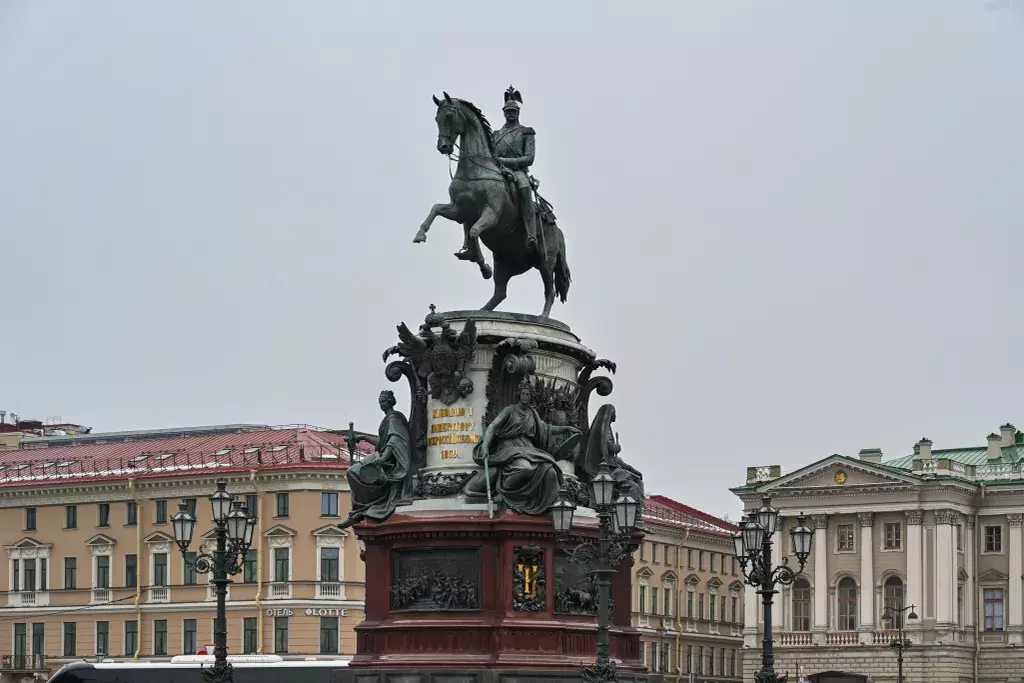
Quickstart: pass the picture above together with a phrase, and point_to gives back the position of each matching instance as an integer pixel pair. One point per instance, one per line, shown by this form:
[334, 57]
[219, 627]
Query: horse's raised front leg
[443, 210]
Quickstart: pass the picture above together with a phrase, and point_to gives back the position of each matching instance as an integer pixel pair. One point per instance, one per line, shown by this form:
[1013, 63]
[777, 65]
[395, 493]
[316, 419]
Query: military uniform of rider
[514, 148]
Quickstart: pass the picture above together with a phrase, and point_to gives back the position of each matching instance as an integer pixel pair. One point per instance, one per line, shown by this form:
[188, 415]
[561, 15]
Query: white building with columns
[940, 529]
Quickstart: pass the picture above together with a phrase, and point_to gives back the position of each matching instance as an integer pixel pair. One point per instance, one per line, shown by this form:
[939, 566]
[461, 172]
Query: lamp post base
[601, 672]
[218, 673]
[765, 675]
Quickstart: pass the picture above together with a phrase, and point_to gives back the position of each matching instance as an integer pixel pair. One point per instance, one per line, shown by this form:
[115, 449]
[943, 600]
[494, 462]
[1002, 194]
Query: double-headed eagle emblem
[439, 359]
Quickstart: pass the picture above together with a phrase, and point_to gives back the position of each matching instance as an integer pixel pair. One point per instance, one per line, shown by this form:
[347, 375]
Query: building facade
[940, 529]
[93, 569]
[688, 595]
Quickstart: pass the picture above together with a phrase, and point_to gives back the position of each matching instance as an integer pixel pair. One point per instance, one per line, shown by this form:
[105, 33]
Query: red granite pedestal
[493, 634]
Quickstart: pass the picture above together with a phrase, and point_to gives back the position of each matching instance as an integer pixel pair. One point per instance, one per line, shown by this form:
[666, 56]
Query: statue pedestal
[449, 590]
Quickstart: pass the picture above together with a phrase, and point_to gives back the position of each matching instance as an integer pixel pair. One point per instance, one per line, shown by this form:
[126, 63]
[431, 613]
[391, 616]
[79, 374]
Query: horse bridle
[469, 157]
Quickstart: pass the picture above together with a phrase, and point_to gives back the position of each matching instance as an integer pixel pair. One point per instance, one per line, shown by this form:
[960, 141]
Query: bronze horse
[484, 203]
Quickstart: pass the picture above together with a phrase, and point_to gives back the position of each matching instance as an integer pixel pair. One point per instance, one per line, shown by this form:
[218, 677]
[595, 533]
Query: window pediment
[28, 547]
[279, 536]
[993, 576]
[692, 580]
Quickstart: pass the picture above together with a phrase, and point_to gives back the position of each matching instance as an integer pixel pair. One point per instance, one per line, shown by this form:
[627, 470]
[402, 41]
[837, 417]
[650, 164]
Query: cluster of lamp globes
[228, 512]
[757, 527]
[623, 511]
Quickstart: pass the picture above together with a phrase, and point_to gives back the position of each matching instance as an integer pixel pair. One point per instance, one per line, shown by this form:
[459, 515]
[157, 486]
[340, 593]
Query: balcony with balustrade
[28, 599]
[280, 590]
[330, 590]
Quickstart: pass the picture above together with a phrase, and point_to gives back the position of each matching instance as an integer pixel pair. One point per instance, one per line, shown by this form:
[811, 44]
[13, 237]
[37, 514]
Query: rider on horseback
[514, 148]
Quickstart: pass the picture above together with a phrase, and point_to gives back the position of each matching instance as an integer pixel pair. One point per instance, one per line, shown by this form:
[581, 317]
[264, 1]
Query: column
[945, 574]
[820, 573]
[1015, 608]
[970, 587]
[778, 552]
[867, 573]
[915, 566]
[751, 616]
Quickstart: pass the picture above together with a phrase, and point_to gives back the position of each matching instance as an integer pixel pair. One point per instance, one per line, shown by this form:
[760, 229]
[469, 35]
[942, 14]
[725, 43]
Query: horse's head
[451, 123]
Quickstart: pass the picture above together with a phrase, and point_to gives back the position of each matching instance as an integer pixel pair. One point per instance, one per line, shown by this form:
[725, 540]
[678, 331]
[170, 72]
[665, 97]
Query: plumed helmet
[512, 99]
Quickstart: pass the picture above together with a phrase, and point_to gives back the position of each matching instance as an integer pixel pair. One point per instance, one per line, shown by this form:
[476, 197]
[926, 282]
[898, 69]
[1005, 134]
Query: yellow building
[688, 594]
[92, 567]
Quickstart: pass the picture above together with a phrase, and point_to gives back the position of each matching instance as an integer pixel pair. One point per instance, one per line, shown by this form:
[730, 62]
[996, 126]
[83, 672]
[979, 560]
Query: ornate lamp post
[233, 529]
[616, 520]
[892, 616]
[753, 548]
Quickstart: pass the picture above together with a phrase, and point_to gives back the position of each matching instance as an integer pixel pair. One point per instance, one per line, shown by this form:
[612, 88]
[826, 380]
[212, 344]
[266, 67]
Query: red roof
[264, 449]
[665, 511]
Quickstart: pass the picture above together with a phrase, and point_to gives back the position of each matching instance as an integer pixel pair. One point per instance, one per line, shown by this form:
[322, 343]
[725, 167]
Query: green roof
[965, 456]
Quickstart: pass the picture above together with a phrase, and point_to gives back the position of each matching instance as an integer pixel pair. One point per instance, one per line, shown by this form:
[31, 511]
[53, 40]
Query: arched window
[801, 605]
[847, 604]
[894, 596]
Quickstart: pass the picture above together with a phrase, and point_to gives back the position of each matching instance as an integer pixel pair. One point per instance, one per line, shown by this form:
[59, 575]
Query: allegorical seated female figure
[523, 475]
[379, 482]
[603, 446]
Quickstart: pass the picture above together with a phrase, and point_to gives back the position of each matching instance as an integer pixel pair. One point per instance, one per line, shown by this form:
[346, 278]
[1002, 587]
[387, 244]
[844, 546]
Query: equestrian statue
[496, 200]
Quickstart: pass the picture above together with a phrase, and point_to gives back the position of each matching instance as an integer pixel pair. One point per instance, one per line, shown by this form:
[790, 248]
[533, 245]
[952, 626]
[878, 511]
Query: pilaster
[915, 566]
[820, 624]
[751, 616]
[969, 589]
[867, 579]
[1015, 608]
[945, 569]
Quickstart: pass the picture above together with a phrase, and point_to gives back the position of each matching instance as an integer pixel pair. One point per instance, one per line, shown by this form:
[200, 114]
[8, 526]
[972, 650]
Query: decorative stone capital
[970, 522]
[820, 521]
[1015, 520]
[947, 517]
[866, 518]
[914, 517]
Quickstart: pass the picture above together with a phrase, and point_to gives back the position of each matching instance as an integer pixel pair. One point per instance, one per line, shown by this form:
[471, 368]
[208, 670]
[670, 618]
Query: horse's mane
[488, 133]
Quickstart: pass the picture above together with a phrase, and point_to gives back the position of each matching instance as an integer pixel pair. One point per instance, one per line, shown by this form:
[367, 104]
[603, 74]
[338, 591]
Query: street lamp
[753, 547]
[233, 529]
[893, 616]
[616, 520]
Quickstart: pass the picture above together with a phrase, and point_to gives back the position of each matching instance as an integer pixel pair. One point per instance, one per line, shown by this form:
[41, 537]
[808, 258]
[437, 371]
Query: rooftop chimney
[1008, 435]
[994, 450]
[924, 450]
[872, 455]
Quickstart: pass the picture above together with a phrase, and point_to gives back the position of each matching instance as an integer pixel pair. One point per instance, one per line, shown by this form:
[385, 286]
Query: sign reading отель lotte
[309, 611]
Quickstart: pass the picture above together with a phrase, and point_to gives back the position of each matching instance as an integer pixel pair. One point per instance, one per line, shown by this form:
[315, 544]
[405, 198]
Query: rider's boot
[470, 248]
[529, 211]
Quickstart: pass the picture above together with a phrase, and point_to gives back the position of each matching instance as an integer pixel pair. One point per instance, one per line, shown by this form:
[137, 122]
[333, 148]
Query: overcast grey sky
[796, 226]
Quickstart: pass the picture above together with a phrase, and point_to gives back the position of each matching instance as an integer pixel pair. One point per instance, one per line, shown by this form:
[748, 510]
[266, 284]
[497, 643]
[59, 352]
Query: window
[189, 641]
[993, 606]
[70, 636]
[734, 603]
[700, 606]
[103, 571]
[654, 553]
[663, 659]
[712, 568]
[722, 602]
[993, 539]
[711, 661]
[160, 637]
[161, 512]
[280, 635]
[689, 659]
[689, 558]
[847, 604]
[844, 538]
[668, 602]
[104, 515]
[689, 604]
[668, 554]
[734, 566]
[131, 513]
[281, 505]
[190, 505]
[71, 517]
[732, 663]
[131, 637]
[252, 504]
[190, 577]
[643, 550]
[328, 504]
[328, 635]
[102, 637]
[42, 573]
[30, 575]
[249, 635]
[892, 536]
[281, 564]
[329, 561]
[893, 600]
[249, 567]
[642, 607]
[700, 660]
[700, 560]
[654, 600]
[17, 575]
[30, 519]
[711, 607]
[131, 571]
[70, 573]
[960, 540]
[160, 571]
[801, 605]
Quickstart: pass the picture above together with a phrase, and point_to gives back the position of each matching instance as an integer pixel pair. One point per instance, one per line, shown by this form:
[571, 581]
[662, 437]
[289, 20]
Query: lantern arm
[207, 563]
[619, 551]
[784, 575]
[203, 564]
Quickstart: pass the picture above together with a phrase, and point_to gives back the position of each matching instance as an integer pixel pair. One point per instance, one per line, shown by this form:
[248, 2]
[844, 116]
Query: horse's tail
[563, 278]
